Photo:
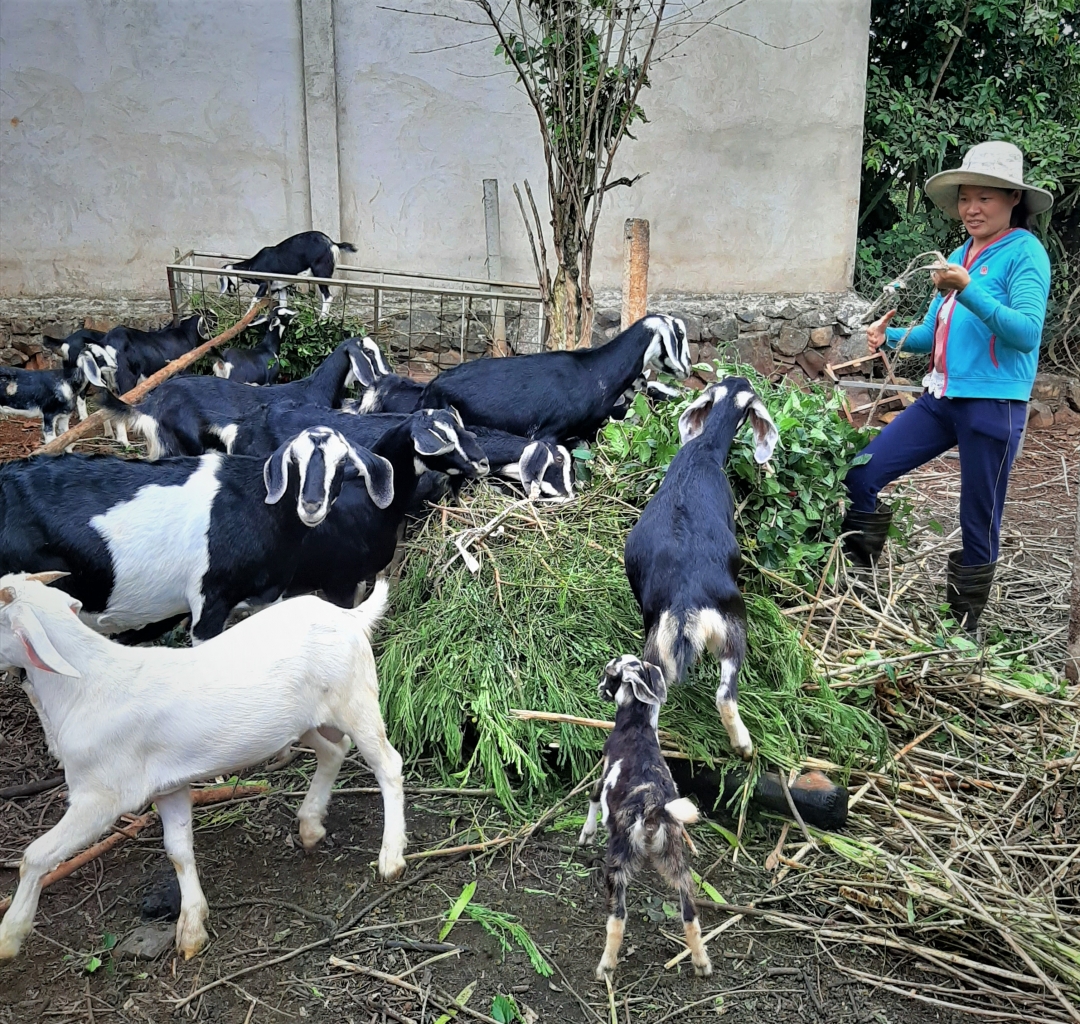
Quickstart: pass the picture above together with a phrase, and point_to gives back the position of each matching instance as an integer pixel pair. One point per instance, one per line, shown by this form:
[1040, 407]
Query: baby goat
[257, 365]
[645, 817]
[309, 250]
[70, 348]
[50, 394]
[135, 724]
[682, 558]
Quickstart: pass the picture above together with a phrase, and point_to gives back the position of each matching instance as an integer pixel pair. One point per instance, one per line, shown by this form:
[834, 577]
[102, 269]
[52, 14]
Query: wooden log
[635, 285]
[138, 393]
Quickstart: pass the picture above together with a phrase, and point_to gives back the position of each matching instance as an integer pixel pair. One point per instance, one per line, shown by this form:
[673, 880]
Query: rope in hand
[888, 292]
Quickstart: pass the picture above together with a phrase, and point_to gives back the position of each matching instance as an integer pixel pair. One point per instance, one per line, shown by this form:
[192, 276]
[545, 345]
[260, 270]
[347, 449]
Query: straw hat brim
[942, 189]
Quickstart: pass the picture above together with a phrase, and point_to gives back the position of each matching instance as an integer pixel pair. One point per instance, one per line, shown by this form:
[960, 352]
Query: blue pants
[987, 431]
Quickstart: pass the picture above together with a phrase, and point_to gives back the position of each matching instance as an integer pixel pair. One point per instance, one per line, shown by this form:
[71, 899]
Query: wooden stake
[136, 394]
[635, 282]
[1072, 656]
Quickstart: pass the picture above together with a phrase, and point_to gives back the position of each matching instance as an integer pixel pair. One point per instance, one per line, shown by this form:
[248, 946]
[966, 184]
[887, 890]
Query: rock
[27, 345]
[1065, 416]
[693, 325]
[148, 941]
[821, 337]
[1050, 388]
[791, 340]
[695, 353]
[812, 360]
[856, 397]
[421, 321]
[22, 327]
[753, 349]
[784, 311]
[748, 316]
[815, 318]
[724, 329]
[448, 359]
[844, 349]
[1040, 416]
[11, 357]
[707, 352]
[1072, 394]
[753, 326]
[162, 898]
[609, 317]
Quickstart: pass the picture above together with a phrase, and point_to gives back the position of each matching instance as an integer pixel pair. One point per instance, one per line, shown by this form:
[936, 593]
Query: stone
[421, 321]
[695, 353]
[760, 323]
[724, 329]
[812, 360]
[609, 317]
[692, 324]
[854, 346]
[791, 340]
[22, 327]
[1040, 416]
[815, 318]
[748, 316]
[448, 358]
[1051, 388]
[753, 349]
[11, 357]
[1066, 416]
[26, 345]
[782, 311]
[821, 337]
[148, 942]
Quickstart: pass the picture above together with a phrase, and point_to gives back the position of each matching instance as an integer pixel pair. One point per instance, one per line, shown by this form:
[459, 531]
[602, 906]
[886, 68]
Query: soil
[268, 897]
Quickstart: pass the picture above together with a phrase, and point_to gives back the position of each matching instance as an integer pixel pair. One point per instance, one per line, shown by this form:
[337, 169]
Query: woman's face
[986, 211]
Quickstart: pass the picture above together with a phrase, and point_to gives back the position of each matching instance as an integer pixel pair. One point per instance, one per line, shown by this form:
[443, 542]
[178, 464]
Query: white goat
[135, 724]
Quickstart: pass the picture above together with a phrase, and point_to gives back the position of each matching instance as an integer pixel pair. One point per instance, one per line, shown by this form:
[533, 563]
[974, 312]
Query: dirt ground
[268, 898]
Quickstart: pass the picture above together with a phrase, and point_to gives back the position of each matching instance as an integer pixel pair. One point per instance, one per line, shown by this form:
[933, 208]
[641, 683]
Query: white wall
[146, 124]
[128, 128]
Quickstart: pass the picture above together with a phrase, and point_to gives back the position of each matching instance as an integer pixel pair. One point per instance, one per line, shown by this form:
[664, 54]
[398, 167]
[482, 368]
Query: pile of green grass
[534, 627]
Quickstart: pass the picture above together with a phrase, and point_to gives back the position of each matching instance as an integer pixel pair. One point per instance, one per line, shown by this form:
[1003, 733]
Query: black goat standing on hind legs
[645, 817]
[682, 558]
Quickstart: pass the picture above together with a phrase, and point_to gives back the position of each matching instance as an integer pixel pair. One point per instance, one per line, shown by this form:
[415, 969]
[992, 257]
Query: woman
[983, 331]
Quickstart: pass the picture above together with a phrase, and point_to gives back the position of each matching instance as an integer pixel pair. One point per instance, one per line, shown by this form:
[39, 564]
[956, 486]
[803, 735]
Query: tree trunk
[565, 311]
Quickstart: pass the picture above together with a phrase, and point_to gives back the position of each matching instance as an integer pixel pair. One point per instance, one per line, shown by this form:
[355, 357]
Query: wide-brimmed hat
[996, 164]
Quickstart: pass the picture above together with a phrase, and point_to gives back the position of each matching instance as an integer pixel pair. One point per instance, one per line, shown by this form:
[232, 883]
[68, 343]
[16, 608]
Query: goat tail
[373, 608]
[682, 810]
[669, 646]
[346, 246]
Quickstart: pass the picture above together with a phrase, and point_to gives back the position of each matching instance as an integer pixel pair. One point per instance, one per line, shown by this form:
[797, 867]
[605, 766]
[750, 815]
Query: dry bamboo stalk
[136, 394]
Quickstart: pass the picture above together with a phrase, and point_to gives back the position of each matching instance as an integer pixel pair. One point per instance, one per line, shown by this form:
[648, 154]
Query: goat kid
[640, 806]
[308, 251]
[146, 542]
[50, 394]
[138, 724]
[682, 558]
[193, 415]
[561, 396]
[257, 365]
[385, 391]
[70, 348]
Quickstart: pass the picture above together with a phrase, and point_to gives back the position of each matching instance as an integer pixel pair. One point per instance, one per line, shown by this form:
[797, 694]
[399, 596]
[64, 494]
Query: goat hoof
[585, 840]
[703, 970]
[311, 834]
[603, 971]
[191, 938]
[391, 868]
[9, 947]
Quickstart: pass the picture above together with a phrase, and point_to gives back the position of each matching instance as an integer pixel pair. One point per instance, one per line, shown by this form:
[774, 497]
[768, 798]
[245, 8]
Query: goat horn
[47, 577]
[7, 595]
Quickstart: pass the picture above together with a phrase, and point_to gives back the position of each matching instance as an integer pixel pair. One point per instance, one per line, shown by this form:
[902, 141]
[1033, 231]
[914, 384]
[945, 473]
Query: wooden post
[635, 281]
[493, 234]
[1072, 653]
[137, 393]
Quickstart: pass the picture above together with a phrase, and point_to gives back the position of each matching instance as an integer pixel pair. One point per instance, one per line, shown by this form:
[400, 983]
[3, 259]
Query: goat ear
[362, 370]
[102, 353]
[692, 421]
[765, 433]
[430, 441]
[610, 681]
[48, 577]
[532, 466]
[377, 472]
[648, 684]
[39, 648]
[90, 369]
[276, 473]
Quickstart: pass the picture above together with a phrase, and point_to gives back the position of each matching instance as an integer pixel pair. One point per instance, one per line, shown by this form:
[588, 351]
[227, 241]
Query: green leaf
[504, 1009]
[455, 911]
[92, 964]
[713, 893]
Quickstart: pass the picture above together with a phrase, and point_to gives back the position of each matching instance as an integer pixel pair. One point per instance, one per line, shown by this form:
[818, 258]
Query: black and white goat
[385, 391]
[359, 536]
[259, 364]
[146, 542]
[645, 817]
[682, 558]
[192, 415]
[561, 395]
[70, 348]
[541, 467]
[137, 354]
[51, 394]
[308, 251]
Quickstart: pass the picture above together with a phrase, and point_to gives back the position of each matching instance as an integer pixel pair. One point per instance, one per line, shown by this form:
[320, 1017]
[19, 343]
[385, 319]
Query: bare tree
[582, 64]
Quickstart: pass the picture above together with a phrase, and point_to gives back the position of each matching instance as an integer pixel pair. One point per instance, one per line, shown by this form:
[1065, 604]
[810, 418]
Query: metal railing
[424, 322]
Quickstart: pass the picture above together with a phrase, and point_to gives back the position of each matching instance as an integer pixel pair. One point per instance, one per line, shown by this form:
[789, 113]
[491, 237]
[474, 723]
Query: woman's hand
[952, 278]
[875, 333]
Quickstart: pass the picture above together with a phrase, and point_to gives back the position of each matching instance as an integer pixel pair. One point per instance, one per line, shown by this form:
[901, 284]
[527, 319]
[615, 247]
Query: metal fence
[425, 323]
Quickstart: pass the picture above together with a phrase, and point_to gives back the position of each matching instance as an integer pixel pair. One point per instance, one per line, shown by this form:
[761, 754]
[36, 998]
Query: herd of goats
[254, 494]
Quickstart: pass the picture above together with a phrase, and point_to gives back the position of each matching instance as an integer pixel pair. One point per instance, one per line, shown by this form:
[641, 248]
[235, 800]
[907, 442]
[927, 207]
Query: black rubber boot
[865, 545]
[968, 589]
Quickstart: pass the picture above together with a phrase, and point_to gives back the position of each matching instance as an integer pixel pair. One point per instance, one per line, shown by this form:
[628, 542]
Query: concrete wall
[131, 127]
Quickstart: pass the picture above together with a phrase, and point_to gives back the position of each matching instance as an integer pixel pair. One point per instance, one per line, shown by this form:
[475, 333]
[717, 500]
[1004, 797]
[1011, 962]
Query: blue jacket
[992, 338]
